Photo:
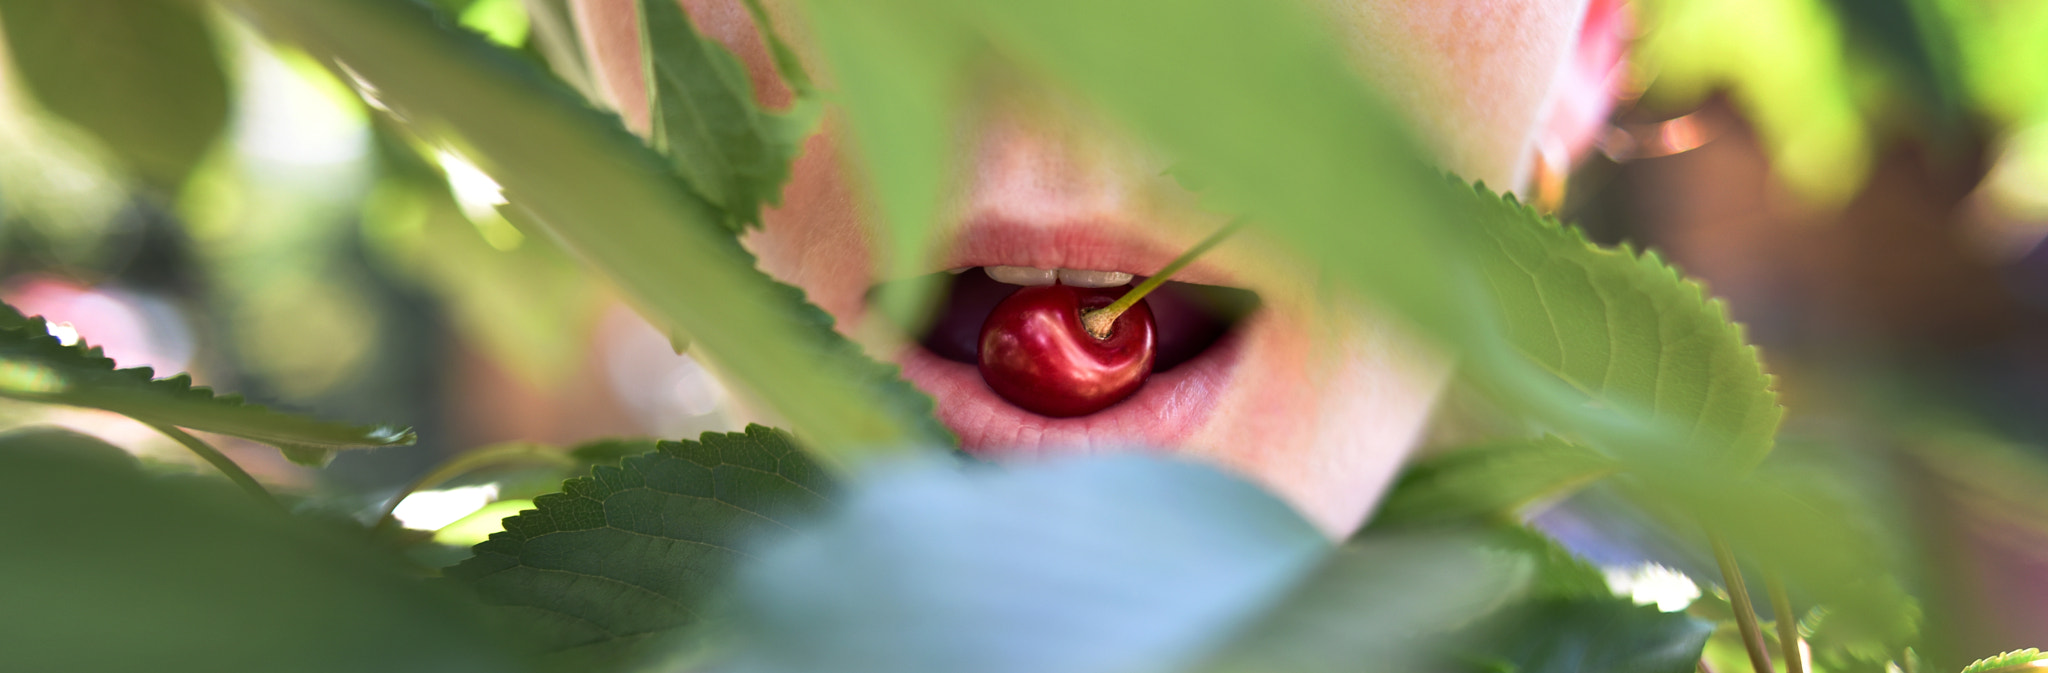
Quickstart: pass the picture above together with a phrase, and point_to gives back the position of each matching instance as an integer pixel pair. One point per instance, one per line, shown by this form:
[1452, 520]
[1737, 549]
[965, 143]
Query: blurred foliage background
[1865, 182]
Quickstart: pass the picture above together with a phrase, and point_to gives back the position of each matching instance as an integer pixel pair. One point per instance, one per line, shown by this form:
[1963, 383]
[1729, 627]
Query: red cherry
[1036, 354]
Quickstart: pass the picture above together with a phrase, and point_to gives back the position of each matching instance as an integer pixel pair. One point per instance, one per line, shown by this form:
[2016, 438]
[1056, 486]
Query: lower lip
[1162, 414]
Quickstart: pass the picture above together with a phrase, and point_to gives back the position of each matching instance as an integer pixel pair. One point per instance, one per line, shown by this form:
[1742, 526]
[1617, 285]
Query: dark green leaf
[1590, 636]
[1492, 480]
[1104, 563]
[583, 178]
[141, 75]
[729, 150]
[113, 570]
[611, 571]
[35, 367]
[1379, 604]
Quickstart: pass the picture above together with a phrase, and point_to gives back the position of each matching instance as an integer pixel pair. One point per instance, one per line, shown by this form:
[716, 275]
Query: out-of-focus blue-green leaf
[729, 150]
[112, 569]
[609, 199]
[611, 572]
[141, 75]
[36, 367]
[1105, 563]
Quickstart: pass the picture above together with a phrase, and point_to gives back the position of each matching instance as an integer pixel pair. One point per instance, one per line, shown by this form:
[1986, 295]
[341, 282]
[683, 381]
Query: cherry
[1036, 352]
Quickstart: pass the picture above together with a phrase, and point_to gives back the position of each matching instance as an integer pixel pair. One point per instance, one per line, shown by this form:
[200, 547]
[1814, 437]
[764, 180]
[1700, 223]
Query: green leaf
[1381, 603]
[1627, 332]
[579, 175]
[112, 569]
[1492, 480]
[730, 151]
[141, 75]
[2010, 662]
[1590, 636]
[611, 571]
[36, 367]
[1103, 563]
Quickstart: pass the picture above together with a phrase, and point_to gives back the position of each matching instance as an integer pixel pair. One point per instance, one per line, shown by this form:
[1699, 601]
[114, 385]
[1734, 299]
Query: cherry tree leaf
[730, 151]
[1610, 635]
[581, 177]
[1492, 480]
[612, 571]
[141, 75]
[115, 569]
[1626, 332]
[36, 367]
[2015, 661]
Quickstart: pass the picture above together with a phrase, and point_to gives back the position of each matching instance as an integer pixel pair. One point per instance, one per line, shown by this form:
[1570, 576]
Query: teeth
[959, 271]
[1024, 275]
[1086, 278]
[1020, 275]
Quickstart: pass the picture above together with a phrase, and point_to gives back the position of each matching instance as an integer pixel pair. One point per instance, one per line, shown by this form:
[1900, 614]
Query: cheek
[815, 239]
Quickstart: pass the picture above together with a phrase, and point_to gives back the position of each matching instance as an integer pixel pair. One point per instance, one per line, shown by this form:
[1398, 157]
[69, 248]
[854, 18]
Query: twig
[1745, 612]
[1788, 625]
[220, 461]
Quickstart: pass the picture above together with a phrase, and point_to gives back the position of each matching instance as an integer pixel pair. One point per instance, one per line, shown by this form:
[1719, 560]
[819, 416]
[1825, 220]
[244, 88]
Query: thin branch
[220, 462]
[1788, 624]
[1745, 612]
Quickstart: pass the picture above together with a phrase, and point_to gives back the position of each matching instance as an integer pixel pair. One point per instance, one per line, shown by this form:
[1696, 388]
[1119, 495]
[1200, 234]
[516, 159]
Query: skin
[1323, 401]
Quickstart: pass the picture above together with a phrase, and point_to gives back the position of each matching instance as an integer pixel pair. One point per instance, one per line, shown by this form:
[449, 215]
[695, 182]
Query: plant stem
[1745, 612]
[220, 461]
[461, 464]
[1788, 625]
[1100, 320]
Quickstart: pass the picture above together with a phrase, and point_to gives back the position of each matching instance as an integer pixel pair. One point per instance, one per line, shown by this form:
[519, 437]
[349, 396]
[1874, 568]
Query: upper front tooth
[1086, 278]
[1020, 275]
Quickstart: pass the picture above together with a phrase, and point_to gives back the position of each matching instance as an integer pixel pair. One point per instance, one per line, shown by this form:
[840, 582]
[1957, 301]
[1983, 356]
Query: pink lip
[1163, 414]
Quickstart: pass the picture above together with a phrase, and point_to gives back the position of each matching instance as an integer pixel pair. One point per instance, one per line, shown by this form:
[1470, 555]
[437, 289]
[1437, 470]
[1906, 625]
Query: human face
[1320, 401]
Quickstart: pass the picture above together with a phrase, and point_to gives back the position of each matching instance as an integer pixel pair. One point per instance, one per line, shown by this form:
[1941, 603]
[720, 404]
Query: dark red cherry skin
[1036, 354]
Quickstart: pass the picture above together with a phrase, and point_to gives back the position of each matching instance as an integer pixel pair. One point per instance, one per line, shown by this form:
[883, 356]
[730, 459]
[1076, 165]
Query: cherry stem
[1100, 320]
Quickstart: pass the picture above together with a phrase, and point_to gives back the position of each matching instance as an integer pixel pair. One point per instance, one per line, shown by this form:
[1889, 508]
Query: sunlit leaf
[611, 571]
[580, 175]
[1627, 332]
[36, 367]
[141, 75]
[116, 570]
[729, 150]
[2015, 661]
[1105, 563]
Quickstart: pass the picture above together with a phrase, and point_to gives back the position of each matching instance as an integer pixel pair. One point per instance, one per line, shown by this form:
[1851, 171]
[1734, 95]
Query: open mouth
[1198, 340]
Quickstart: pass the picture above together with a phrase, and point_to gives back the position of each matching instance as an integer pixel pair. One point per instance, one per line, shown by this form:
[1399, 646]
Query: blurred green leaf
[2015, 661]
[1380, 603]
[1104, 563]
[554, 33]
[1493, 480]
[115, 570]
[610, 572]
[587, 181]
[36, 367]
[141, 75]
[1627, 332]
[1591, 636]
[729, 150]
